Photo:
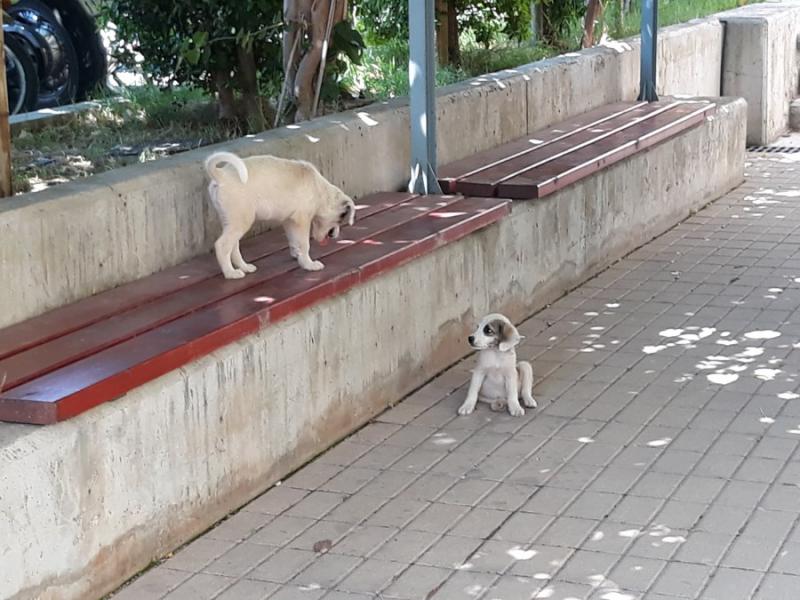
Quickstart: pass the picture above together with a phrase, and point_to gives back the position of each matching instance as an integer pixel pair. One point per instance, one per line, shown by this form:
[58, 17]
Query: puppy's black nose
[471, 340]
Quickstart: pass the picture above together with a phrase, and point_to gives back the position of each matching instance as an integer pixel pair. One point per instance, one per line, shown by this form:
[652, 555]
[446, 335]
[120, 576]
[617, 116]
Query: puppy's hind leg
[224, 248]
[525, 371]
[236, 218]
[239, 262]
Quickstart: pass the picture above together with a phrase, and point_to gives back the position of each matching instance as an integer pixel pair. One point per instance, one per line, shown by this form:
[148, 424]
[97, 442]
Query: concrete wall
[80, 238]
[761, 65]
[118, 486]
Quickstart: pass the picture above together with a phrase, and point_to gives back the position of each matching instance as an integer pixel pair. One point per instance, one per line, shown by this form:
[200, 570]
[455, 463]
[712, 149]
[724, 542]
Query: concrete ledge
[107, 492]
[761, 65]
[80, 238]
[60, 115]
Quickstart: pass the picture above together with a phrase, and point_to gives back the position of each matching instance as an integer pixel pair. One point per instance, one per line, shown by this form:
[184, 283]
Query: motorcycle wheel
[58, 85]
[22, 80]
[92, 57]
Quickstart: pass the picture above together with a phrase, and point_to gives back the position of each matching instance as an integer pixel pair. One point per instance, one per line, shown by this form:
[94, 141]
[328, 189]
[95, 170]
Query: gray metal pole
[422, 82]
[647, 89]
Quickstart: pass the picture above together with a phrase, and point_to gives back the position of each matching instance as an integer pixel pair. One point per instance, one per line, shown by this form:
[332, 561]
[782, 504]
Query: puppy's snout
[471, 340]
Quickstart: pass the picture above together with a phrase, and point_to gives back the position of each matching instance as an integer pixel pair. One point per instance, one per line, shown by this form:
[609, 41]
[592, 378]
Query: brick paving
[661, 464]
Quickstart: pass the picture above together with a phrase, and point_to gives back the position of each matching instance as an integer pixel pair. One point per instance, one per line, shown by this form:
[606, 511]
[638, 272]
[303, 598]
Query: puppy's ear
[348, 214]
[509, 337]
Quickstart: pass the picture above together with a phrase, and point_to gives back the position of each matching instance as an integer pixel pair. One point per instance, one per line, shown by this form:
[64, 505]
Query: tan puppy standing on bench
[279, 190]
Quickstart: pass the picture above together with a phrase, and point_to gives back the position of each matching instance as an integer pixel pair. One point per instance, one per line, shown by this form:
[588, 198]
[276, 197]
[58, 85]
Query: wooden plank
[6, 190]
[43, 358]
[485, 182]
[471, 165]
[112, 372]
[61, 321]
[578, 165]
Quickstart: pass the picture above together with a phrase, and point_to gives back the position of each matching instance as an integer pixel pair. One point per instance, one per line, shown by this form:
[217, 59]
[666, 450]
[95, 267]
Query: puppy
[498, 378]
[289, 192]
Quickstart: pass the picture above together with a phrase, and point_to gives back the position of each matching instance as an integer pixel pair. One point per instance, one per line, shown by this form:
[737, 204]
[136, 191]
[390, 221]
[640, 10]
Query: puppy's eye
[488, 330]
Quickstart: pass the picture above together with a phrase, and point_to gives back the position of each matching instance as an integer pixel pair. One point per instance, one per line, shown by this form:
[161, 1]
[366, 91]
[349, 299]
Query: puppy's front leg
[299, 245]
[512, 394]
[472, 394]
[525, 372]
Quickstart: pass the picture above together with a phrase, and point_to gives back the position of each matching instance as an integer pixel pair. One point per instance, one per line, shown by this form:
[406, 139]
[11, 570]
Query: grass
[671, 12]
[148, 123]
[151, 123]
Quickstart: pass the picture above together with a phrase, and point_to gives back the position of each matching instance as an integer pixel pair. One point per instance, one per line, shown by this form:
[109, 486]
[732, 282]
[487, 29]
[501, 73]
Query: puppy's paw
[234, 274]
[314, 265]
[249, 268]
[529, 401]
[465, 409]
[516, 410]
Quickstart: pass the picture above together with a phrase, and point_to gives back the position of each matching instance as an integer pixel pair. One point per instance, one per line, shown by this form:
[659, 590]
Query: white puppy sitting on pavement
[279, 190]
[498, 378]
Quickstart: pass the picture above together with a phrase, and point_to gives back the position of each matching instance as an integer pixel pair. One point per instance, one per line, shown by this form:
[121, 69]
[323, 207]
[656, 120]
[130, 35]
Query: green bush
[560, 18]
[385, 20]
[184, 41]
[226, 47]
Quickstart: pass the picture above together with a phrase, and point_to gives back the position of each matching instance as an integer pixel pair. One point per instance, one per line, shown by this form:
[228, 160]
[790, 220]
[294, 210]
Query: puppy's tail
[220, 158]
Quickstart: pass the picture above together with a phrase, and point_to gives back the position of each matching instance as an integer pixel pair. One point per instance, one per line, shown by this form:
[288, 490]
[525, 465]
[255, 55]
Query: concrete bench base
[120, 485]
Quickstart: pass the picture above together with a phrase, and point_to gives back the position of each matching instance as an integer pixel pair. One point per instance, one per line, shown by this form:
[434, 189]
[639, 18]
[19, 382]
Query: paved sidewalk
[661, 464]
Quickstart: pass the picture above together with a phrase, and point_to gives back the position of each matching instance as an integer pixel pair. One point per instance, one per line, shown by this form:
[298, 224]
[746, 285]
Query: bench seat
[71, 359]
[548, 160]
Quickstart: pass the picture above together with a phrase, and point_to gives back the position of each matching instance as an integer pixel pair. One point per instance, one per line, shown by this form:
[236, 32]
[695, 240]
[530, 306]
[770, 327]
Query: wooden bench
[67, 361]
[548, 160]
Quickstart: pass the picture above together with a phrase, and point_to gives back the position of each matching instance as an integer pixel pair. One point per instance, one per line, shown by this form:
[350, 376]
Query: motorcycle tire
[22, 80]
[58, 85]
[92, 56]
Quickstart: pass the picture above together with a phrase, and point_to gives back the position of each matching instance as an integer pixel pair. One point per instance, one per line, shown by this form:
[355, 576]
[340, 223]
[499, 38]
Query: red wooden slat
[116, 370]
[41, 359]
[485, 183]
[471, 165]
[21, 336]
[575, 166]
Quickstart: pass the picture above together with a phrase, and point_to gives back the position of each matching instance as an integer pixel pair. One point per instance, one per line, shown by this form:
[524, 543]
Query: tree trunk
[290, 43]
[594, 11]
[248, 80]
[226, 104]
[619, 23]
[442, 36]
[304, 80]
[308, 21]
[548, 31]
[453, 47]
[536, 21]
[297, 16]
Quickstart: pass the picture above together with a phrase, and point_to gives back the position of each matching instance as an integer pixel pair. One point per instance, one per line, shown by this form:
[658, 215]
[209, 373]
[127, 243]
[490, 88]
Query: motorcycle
[54, 54]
